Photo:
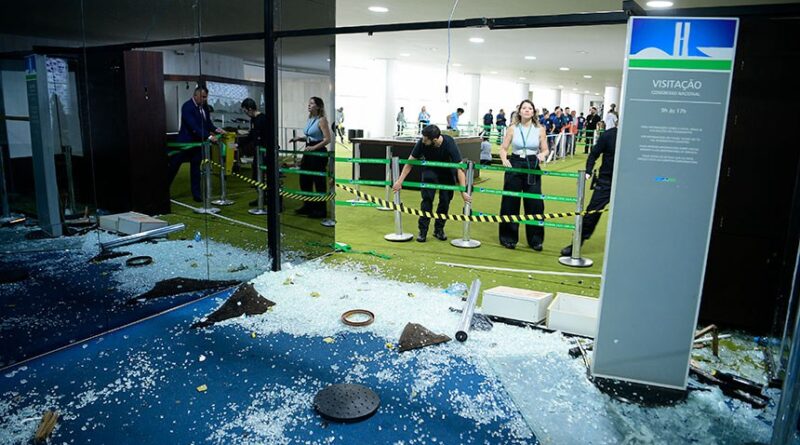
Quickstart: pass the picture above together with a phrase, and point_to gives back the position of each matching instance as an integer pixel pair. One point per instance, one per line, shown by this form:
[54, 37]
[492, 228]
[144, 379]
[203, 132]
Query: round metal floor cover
[346, 402]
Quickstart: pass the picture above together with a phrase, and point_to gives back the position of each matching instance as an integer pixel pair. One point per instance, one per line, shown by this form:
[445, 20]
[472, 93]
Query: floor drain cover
[346, 402]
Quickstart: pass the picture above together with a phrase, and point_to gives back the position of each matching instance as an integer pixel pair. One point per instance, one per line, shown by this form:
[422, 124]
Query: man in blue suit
[196, 126]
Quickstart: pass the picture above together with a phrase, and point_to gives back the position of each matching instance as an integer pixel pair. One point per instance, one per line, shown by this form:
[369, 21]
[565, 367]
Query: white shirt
[610, 121]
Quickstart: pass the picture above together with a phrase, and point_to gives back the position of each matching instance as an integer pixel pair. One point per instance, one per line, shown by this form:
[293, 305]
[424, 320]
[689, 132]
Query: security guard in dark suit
[606, 145]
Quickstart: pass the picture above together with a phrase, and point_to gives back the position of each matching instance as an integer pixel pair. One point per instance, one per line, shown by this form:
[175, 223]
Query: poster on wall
[676, 88]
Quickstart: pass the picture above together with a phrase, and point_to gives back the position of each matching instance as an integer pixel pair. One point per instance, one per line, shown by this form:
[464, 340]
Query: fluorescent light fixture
[476, 40]
[587, 92]
[378, 9]
[563, 68]
[405, 54]
[596, 94]
[521, 78]
[574, 89]
[530, 57]
[587, 76]
[561, 87]
[456, 64]
[659, 4]
[492, 72]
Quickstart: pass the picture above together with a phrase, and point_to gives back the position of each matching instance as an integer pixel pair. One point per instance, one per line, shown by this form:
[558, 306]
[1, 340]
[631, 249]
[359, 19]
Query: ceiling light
[659, 4]
[587, 92]
[492, 72]
[563, 68]
[561, 87]
[574, 89]
[456, 64]
[405, 54]
[378, 9]
[582, 52]
[587, 76]
[476, 40]
[521, 78]
[530, 57]
[596, 94]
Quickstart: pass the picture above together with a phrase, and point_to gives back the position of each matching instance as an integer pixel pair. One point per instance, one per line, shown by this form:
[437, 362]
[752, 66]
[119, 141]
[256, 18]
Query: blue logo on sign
[683, 38]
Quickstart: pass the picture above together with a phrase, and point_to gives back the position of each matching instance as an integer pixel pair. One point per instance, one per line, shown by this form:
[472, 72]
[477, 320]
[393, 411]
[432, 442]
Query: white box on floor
[573, 314]
[130, 222]
[516, 304]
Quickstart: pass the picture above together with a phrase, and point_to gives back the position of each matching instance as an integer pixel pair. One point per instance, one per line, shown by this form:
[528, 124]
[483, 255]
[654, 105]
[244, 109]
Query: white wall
[188, 63]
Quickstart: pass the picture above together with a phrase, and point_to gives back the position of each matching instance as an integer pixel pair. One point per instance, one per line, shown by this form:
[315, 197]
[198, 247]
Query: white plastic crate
[130, 222]
[516, 304]
[573, 314]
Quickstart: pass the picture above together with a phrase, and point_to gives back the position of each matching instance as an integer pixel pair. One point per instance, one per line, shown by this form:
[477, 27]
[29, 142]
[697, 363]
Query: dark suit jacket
[193, 127]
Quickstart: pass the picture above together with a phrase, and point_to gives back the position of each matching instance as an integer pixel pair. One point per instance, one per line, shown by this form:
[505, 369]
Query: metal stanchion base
[398, 237]
[466, 243]
[222, 202]
[208, 210]
[327, 222]
[383, 209]
[575, 262]
[257, 211]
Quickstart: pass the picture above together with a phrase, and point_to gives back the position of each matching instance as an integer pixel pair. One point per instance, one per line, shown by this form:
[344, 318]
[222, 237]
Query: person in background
[486, 150]
[605, 147]
[452, 120]
[555, 129]
[488, 118]
[528, 142]
[424, 118]
[401, 120]
[435, 146]
[338, 124]
[317, 136]
[573, 128]
[500, 124]
[611, 118]
[257, 135]
[196, 126]
[591, 128]
[581, 127]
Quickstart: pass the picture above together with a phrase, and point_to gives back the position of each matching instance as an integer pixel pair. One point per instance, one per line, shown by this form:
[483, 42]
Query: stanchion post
[223, 190]
[465, 241]
[398, 235]
[388, 178]
[294, 147]
[357, 170]
[206, 183]
[260, 210]
[575, 260]
[331, 179]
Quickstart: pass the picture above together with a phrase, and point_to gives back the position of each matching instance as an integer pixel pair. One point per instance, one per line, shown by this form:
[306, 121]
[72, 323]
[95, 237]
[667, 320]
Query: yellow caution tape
[263, 186]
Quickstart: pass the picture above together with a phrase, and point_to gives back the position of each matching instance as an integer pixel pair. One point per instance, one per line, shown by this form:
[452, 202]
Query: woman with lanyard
[529, 147]
[317, 136]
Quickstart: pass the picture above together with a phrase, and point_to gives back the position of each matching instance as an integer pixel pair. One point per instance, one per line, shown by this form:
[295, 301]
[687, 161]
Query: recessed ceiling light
[596, 94]
[587, 76]
[563, 68]
[582, 52]
[492, 72]
[561, 87]
[530, 57]
[405, 54]
[476, 40]
[378, 9]
[456, 64]
[659, 4]
[574, 89]
[521, 78]
[587, 92]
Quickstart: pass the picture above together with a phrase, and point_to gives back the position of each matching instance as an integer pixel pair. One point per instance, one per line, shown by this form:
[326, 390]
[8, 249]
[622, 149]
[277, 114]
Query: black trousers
[445, 196]
[600, 198]
[509, 205]
[194, 156]
[309, 183]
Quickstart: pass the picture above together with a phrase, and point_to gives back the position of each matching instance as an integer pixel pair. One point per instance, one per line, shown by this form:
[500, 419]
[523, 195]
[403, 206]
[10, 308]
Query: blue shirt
[453, 121]
[312, 131]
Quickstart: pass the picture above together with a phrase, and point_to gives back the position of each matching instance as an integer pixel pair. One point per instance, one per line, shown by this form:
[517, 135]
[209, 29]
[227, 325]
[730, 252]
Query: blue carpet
[139, 385]
[65, 299]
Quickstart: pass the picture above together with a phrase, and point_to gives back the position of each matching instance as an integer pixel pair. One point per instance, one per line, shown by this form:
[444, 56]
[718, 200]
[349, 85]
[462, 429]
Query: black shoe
[196, 199]
[537, 247]
[440, 235]
[422, 237]
[567, 251]
[508, 245]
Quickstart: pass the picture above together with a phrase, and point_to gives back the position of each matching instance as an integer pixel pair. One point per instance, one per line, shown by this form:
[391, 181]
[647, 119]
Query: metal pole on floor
[70, 178]
[357, 170]
[575, 260]
[260, 210]
[206, 172]
[331, 204]
[388, 179]
[223, 190]
[465, 241]
[398, 235]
